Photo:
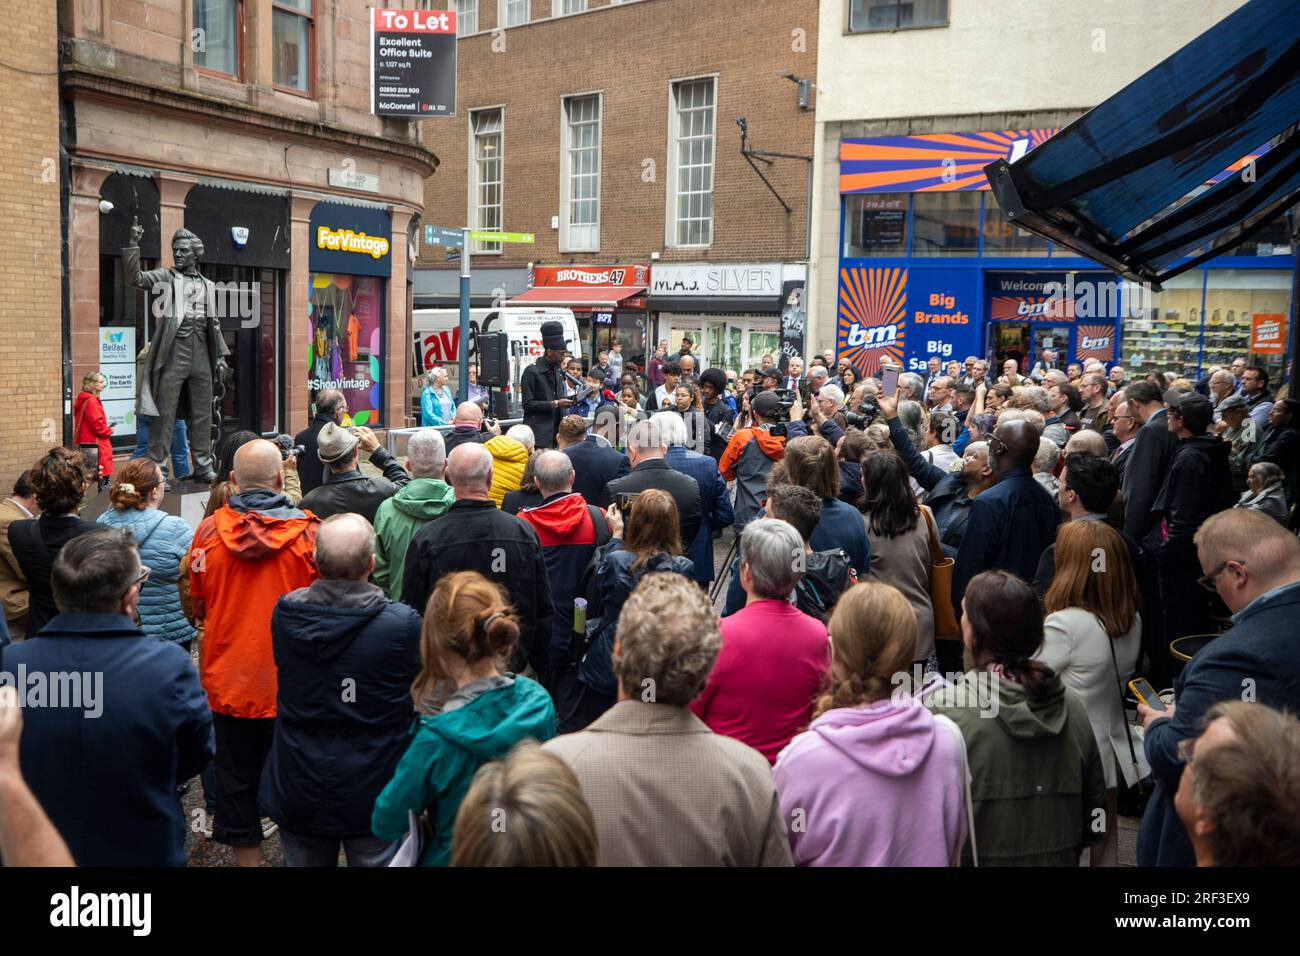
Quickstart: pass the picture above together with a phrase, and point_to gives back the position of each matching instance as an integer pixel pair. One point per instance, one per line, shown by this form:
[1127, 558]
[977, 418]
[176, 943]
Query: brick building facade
[30, 179]
[627, 61]
[252, 129]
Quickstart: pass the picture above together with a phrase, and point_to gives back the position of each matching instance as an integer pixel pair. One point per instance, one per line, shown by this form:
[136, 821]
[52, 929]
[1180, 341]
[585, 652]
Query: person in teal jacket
[469, 630]
[437, 405]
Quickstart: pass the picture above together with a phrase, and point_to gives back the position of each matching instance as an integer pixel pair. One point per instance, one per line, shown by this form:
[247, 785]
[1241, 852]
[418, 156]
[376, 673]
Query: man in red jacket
[570, 531]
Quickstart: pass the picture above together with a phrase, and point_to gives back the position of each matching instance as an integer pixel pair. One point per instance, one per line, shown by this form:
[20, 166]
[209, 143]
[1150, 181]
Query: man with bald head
[243, 558]
[345, 657]
[1012, 523]
[474, 535]
[467, 427]
[570, 530]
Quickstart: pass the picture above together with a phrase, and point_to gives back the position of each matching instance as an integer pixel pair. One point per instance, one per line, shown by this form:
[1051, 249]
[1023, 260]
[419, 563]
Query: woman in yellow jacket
[509, 457]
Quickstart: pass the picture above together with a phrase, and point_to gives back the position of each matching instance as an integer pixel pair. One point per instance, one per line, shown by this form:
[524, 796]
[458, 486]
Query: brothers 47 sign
[413, 63]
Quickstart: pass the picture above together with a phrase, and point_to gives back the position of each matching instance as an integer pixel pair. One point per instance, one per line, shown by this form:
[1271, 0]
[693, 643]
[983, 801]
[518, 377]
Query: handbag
[965, 779]
[946, 627]
[1130, 801]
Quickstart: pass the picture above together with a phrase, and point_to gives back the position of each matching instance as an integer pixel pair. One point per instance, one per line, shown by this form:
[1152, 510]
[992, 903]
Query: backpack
[827, 575]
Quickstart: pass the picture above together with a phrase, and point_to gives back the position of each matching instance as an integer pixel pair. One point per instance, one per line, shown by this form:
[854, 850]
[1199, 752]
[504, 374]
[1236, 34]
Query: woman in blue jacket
[437, 405]
[469, 632]
[163, 540]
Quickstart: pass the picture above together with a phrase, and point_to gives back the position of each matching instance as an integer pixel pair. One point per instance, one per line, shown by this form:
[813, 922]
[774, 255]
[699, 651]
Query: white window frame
[670, 204]
[457, 4]
[557, 8]
[485, 248]
[504, 5]
[566, 177]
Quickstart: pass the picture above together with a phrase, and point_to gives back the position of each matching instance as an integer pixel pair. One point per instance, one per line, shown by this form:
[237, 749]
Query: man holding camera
[752, 451]
[346, 488]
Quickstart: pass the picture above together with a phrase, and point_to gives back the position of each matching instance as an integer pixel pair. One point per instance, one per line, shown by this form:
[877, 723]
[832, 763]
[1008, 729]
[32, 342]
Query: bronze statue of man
[187, 351]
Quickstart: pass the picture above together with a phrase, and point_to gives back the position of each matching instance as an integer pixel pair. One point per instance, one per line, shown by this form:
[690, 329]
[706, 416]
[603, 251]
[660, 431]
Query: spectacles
[1187, 750]
[1208, 582]
[140, 578]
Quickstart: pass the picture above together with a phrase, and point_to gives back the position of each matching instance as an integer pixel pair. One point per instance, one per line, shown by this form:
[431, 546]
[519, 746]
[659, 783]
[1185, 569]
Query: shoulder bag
[1130, 801]
[946, 627]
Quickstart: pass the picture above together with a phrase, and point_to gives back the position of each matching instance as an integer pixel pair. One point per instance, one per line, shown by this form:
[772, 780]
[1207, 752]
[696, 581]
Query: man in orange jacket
[751, 453]
[244, 557]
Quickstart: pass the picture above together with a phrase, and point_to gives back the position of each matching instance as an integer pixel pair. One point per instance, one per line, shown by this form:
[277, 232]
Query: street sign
[438, 236]
[412, 63]
[501, 236]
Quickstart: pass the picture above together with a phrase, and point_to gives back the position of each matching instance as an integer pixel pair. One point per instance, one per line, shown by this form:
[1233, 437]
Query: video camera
[865, 416]
[287, 447]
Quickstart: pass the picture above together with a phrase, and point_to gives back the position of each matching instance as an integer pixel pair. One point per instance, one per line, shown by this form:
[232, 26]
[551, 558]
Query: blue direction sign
[437, 236]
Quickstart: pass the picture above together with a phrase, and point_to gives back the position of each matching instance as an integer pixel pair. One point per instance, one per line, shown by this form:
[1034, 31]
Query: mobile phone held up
[889, 380]
[1143, 691]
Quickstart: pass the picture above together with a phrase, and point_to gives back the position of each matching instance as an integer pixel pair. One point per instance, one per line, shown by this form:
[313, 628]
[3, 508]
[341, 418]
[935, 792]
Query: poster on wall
[346, 346]
[1266, 336]
[872, 317]
[117, 364]
[794, 321]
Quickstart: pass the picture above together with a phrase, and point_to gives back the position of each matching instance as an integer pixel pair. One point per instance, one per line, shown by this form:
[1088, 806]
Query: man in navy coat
[595, 464]
[716, 512]
[1012, 523]
[1254, 564]
[122, 719]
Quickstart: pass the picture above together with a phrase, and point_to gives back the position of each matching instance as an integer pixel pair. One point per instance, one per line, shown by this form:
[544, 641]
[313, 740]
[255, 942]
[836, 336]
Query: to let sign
[413, 63]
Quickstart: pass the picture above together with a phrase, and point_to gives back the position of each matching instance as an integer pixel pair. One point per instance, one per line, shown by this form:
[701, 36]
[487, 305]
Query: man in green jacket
[417, 503]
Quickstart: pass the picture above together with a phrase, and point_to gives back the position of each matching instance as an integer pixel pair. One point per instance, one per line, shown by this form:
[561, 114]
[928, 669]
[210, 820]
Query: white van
[437, 342]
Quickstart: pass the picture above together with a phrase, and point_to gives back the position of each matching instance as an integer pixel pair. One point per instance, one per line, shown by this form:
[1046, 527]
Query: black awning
[1198, 153]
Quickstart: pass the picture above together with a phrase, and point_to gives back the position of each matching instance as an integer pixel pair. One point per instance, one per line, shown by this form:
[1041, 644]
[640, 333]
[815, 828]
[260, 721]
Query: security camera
[105, 206]
[740, 121]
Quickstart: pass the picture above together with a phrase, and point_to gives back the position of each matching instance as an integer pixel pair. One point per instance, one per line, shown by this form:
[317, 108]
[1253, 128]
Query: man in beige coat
[13, 583]
[663, 788]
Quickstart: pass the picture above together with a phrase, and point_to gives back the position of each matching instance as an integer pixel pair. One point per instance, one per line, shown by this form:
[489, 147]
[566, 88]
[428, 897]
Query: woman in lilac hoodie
[877, 779]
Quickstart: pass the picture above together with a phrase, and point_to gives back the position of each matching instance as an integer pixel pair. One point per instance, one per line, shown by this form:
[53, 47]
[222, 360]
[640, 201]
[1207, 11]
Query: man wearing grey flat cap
[346, 488]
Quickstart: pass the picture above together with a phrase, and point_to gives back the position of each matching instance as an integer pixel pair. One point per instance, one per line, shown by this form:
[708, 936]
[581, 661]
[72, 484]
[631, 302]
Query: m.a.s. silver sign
[757, 280]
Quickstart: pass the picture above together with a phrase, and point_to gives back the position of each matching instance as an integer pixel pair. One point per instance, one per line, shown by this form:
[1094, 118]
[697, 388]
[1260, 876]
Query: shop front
[609, 303]
[350, 259]
[734, 313]
[930, 268]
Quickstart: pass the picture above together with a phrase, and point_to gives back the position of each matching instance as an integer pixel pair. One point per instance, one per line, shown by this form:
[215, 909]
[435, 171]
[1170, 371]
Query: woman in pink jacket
[877, 779]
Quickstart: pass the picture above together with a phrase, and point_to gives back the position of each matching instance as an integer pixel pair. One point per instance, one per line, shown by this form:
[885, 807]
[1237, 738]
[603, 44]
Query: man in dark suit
[1012, 523]
[1254, 565]
[331, 406]
[716, 512]
[646, 450]
[1148, 462]
[595, 464]
[1123, 427]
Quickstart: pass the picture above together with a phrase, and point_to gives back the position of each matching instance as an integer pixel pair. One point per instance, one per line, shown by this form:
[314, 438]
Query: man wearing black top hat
[543, 387]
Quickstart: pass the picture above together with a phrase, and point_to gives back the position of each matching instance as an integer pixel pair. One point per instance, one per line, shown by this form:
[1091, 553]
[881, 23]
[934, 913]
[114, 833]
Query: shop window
[946, 223]
[487, 171]
[1162, 330]
[1247, 313]
[514, 13]
[347, 342]
[125, 320]
[1005, 238]
[580, 178]
[870, 16]
[691, 154]
[877, 225]
[292, 33]
[218, 36]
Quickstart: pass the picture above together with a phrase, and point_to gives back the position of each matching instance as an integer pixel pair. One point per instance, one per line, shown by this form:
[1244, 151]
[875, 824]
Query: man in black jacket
[1199, 484]
[331, 406]
[473, 535]
[346, 488]
[1280, 444]
[542, 387]
[1148, 463]
[646, 448]
[335, 748]
[595, 465]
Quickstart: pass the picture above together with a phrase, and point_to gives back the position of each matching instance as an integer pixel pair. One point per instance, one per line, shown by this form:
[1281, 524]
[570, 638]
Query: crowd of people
[519, 648]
